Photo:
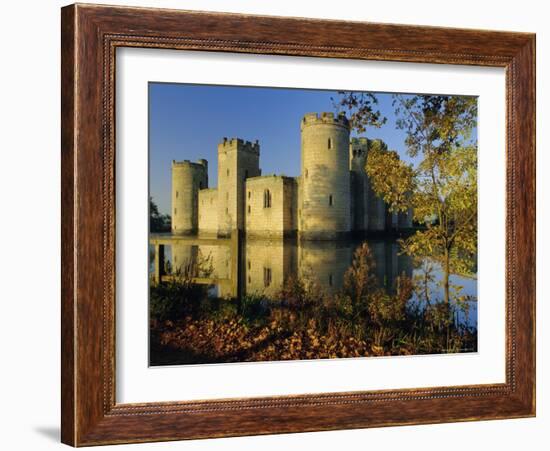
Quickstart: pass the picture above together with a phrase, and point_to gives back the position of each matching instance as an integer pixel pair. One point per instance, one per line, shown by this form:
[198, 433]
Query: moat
[242, 287]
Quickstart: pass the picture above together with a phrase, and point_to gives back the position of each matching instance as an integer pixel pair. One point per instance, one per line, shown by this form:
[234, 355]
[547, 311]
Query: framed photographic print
[277, 225]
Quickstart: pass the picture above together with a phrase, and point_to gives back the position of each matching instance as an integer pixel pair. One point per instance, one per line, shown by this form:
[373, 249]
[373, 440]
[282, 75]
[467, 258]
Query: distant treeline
[157, 222]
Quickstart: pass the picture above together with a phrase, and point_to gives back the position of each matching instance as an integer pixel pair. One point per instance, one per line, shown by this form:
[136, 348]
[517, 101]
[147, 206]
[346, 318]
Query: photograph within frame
[268, 272]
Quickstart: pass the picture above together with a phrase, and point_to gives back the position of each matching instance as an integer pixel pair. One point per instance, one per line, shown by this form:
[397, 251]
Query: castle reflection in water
[263, 266]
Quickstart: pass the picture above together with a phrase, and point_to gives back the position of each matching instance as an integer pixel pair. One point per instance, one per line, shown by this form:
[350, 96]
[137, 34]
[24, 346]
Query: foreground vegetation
[302, 321]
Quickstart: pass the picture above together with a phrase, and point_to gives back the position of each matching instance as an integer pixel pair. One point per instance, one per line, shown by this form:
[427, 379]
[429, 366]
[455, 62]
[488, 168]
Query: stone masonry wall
[208, 212]
[275, 219]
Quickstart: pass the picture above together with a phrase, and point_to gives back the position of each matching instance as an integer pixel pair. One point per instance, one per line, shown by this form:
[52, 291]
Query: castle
[331, 199]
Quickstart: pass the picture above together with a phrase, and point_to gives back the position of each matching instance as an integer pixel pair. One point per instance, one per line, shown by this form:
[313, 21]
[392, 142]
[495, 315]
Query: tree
[157, 221]
[442, 188]
[361, 109]
[390, 178]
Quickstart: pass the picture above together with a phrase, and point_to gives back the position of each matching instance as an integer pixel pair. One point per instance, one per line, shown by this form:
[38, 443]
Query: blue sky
[186, 122]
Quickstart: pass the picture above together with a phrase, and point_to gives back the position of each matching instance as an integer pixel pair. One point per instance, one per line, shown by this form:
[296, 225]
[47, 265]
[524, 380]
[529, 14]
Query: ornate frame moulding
[90, 36]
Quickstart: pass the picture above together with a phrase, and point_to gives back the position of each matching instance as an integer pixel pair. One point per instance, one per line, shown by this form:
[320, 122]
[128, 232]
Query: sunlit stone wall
[208, 212]
[270, 210]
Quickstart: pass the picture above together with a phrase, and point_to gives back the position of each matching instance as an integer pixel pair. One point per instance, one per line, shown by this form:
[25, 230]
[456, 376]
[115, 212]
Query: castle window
[306, 173]
[330, 279]
[249, 194]
[249, 209]
[267, 199]
[249, 264]
[177, 194]
[267, 277]
[330, 200]
[330, 143]
[228, 172]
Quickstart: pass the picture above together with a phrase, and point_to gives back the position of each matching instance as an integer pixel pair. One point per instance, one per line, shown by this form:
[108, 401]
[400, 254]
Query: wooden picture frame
[90, 36]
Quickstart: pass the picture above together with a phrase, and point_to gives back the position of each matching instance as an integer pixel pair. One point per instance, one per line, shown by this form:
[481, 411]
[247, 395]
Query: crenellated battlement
[358, 149]
[267, 177]
[324, 119]
[201, 164]
[228, 144]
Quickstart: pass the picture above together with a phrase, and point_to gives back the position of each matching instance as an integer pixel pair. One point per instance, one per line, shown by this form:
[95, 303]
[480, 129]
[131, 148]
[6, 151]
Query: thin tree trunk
[446, 269]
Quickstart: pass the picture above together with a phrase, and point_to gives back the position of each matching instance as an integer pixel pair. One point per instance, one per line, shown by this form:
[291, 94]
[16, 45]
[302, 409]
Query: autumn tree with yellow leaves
[441, 188]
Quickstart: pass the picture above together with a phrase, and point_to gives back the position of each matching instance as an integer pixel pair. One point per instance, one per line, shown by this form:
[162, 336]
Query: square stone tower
[237, 161]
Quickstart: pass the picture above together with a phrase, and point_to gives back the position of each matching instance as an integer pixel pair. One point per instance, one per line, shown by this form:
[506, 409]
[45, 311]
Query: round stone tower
[324, 212]
[187, 179]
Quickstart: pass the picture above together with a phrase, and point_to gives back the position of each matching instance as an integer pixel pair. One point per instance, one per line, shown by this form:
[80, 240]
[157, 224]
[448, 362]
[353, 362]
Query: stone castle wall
[270, 209]
[208, 211]
[358, 152]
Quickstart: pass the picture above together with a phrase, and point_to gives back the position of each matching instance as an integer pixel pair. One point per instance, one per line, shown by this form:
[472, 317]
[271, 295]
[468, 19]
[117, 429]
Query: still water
[263, 266]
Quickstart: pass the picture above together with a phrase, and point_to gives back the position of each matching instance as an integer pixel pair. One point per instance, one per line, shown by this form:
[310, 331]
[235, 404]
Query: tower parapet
[325, 118]
[228, 144]
[187, 179]
[200, 164]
